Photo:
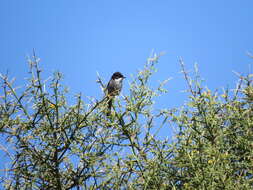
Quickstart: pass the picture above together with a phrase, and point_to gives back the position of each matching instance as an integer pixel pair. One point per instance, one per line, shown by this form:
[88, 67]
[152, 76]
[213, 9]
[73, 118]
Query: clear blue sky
[82, 37]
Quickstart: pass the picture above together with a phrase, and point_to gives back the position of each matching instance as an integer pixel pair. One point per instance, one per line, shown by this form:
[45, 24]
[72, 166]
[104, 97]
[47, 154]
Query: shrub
[55, 145]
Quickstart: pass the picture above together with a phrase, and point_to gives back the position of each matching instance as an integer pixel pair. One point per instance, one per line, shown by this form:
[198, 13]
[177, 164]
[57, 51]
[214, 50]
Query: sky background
[81, 37]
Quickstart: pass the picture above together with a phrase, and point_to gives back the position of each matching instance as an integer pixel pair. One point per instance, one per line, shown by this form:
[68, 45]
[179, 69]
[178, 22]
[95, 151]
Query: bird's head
[117, 75]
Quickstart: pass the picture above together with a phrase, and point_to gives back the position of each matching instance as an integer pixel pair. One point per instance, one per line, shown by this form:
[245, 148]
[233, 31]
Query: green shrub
[55, 145]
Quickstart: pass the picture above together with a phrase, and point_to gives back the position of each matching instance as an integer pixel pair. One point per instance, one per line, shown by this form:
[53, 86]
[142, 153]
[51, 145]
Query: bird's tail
[109, 107]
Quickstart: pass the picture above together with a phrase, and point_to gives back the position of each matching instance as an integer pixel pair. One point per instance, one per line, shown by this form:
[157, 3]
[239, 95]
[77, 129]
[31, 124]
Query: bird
[114, 87]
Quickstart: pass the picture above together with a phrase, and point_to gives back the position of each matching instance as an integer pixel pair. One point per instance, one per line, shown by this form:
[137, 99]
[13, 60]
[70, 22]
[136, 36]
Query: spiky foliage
[52, 144]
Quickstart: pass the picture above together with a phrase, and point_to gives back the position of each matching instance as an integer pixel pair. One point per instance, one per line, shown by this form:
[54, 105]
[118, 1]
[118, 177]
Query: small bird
[114, 87]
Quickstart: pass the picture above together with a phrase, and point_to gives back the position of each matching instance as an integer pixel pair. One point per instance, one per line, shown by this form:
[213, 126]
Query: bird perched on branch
[113, 88]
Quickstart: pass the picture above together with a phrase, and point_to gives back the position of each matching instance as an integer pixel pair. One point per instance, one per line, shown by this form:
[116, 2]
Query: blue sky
[80, 38]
